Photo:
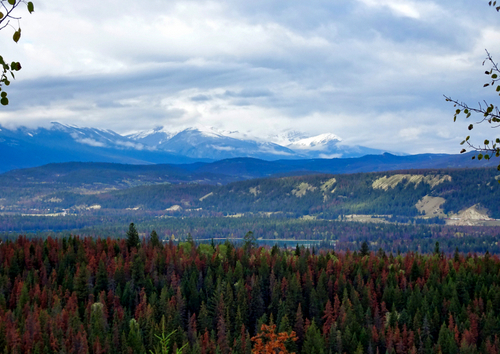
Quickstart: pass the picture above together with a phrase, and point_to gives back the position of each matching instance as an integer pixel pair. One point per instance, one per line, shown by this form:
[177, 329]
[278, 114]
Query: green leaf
[15, 65]
[457, 111]
[4, 101]
[454, 118]
[17, 35]
[486, 142]
[468, 137]
[480, 156]
[3, 94]
[463, 142]
[1, 15]
[470, 126]
[12, 2]
[494, 76]
[31, 7]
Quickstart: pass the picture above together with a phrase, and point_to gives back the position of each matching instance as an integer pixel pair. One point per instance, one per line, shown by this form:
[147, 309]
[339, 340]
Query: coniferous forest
[91, 295]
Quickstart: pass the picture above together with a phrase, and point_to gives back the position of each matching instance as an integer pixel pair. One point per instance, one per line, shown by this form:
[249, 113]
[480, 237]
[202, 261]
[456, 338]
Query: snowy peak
[203, 131]
[152, 137]
[208, 142]
[103, 138]
[218, 133]
[287, 137]
[317, 142]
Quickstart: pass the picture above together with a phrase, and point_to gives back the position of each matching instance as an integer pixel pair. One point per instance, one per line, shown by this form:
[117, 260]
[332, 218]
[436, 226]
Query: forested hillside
[323, 196]
[79, 295]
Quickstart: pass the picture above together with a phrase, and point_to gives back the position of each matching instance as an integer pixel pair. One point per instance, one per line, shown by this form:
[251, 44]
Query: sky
[373, 72]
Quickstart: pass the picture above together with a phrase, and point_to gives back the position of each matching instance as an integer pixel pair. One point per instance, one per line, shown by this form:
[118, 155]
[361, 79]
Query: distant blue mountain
[23, 147]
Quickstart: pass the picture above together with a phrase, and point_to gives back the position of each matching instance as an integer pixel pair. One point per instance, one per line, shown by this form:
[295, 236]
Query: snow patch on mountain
[287, 137]
[318, 142]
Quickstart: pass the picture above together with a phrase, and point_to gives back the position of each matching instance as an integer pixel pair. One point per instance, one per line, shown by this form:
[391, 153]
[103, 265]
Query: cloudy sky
[370, 71]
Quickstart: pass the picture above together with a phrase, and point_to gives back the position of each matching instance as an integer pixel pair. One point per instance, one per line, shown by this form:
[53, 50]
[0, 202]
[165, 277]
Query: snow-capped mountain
[25, 147]
[203, 142]
[325, 146]
[317, 142]
[287, 137]
[153, 137]
[97, 137]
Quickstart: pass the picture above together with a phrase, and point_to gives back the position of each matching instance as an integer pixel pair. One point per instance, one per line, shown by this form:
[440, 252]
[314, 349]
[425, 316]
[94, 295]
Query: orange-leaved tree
[268, 342]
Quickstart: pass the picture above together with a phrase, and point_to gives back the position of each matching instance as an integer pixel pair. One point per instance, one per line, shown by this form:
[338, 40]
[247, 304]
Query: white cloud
[405, 8]
[371, 71]
[91, 142]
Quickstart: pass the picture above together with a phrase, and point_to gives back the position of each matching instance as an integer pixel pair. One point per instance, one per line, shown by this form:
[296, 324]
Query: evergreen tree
[134, 339]
[132, 237]
[249, 241]
[436, 248]
[154, 239]
[313, 341]
[189, 239]
[365, 249]
[446, 341]
[101, 279]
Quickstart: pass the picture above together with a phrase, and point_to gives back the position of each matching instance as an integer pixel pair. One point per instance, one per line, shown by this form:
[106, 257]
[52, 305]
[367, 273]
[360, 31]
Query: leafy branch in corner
[489, 112]
[7, 70]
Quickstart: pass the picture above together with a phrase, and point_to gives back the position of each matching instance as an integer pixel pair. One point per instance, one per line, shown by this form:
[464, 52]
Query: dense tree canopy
[87, 295]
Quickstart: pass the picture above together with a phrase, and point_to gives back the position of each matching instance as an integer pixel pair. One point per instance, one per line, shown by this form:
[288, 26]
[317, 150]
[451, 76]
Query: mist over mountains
[24, 147]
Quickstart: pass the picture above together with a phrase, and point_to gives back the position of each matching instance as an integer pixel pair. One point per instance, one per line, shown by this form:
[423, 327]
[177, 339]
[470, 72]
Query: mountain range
[24, 147]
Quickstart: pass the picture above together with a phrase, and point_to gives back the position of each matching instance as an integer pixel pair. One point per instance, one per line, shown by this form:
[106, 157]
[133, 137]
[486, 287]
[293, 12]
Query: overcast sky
[370, 71]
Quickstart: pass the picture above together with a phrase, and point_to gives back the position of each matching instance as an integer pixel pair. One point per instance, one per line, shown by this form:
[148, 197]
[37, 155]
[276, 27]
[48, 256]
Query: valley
[398, 211]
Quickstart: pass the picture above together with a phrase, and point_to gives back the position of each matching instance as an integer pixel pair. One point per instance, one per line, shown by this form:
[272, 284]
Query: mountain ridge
[24, 147]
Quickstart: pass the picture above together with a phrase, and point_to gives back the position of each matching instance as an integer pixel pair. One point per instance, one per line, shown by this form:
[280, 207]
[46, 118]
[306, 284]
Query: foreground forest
[88, 295]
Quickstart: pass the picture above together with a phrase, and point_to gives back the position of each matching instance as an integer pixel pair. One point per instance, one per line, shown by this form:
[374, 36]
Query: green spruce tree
[154, 239]
[132, 237]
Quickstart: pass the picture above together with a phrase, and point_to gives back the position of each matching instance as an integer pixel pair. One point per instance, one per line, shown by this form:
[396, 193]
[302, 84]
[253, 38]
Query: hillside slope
[402, 194]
